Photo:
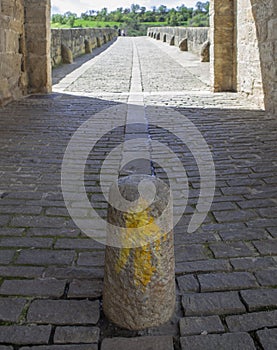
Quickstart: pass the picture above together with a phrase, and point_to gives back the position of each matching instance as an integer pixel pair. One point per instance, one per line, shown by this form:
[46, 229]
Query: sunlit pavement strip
[51, 274]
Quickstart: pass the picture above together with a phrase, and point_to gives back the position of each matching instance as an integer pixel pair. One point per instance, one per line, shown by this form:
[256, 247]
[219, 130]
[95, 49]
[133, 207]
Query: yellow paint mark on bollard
[139, 226]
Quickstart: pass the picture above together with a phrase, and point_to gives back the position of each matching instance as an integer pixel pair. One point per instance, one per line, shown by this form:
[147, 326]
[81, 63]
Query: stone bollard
[139, 282]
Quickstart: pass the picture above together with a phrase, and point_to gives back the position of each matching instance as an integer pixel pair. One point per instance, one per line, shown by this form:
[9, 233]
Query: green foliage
[136, 19]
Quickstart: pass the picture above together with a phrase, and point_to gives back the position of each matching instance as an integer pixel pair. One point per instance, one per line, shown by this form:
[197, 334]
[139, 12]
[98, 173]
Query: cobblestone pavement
[51, 273]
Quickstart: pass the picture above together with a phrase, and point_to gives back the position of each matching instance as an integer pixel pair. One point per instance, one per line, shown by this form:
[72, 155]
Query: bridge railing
[66, 44]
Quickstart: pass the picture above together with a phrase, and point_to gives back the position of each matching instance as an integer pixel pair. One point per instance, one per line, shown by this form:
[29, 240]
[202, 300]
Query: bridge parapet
[66, 44]
[186, 38]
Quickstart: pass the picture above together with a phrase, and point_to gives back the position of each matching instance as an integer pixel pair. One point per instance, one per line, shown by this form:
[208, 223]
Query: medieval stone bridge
[52, 274]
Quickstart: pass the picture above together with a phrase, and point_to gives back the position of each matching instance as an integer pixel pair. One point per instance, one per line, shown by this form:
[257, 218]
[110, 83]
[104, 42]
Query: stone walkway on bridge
[51, 274]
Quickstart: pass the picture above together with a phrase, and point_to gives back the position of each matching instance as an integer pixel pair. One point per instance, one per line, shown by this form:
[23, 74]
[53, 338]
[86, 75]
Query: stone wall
[243, 48]
[37, 34]
[249, 75]
[265, 16]
[188, 39]
[24, 48]
[12, 46]
[69, 43]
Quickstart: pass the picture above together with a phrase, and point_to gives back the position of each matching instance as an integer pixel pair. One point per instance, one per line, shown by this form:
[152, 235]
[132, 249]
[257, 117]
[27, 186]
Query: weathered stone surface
[25, 334]
[187, 39]
[85, 289]
[252, 321]
[64, 312]
[267, 277]
[6, 256]
[67, 56]
[45, 257]
[64, 347]
[205, 52]
[226, 281]
[188, 284]
[10, 309]
[66, 44]
[153, 343]
[183, 45]
[268, 338]
[40, 287]
[260, 298]
[64, 335]
[212, 304]
[139, 276]
[198, 325]
[226, 341]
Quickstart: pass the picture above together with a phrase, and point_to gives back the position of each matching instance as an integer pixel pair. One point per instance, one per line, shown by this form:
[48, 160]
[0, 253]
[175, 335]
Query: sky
[79, 6]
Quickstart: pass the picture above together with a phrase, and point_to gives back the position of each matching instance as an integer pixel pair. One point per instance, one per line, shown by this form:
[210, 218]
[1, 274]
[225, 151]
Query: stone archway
[38, 45]
[242, 48]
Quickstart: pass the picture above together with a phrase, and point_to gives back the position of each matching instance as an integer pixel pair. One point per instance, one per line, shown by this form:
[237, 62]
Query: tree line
[137, 15]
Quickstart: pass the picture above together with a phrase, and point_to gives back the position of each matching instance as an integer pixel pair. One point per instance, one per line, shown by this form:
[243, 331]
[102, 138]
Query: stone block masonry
[187, 39]
[12, 44]
[25, 47]
[66, 44]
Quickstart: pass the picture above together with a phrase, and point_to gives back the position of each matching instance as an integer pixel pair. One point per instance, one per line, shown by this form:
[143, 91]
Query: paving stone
[75, 272]
[198, 325]
[6, 256]
[268, 247]
[252, 321]
[63, 347]
[85, 243]
[268, 338]
[260, 298]
[236, 341]
[153, 343]
[252, 264]
[4, 219]
[256, 203]
[64, 312]
[202, 304]
[40, 287]
[95, 258]
[226, 281]
[45, 257]
[268, 212]
[10, 309]
[78, 335]
[85, 289]
[243, 235]
[37, 221]
[234, 215]
[56, 232]
[188, 283]
[272, 231]
[7, 231]
[190, 253]
[203, 266]
[26, 242]
[21, 271]
[230, 250]
[182, 238]
[267, 277]
[32, 210]
[30, 171]
[25, 334]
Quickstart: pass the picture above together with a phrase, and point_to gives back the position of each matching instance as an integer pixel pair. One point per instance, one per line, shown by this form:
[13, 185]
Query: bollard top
[140, 211]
